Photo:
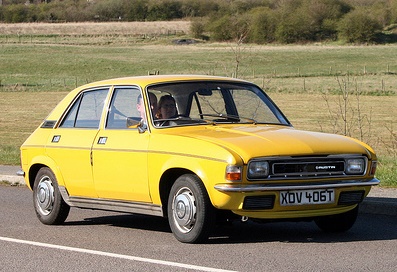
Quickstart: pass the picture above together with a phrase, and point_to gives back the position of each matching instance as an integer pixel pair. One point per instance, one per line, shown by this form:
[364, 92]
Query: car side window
[123, 106]
[87, 110]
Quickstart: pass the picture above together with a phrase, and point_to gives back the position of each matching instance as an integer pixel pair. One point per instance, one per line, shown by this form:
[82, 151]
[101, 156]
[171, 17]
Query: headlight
[258, 169]
[355, 166]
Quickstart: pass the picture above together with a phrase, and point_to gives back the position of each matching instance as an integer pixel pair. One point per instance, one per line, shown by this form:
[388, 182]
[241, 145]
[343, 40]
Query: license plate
[307, 197]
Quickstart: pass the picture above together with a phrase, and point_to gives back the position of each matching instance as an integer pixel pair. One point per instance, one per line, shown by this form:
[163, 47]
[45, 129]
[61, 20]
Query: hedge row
[258, 21]
[301, 21]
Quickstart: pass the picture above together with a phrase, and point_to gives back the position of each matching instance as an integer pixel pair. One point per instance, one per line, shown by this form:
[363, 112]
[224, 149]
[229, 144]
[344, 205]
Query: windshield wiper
[228, 117]
[179, 120]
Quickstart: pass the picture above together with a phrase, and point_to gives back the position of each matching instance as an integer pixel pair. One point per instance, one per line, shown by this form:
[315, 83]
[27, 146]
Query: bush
[106, 10]
[135, 10]
[263, 26]
[309, 20]
[258, 21]
[198, 8]
[164, 10]
[295, 27]
[220, 28]
[324, 15]
[358, 27]
[16, 14]
[393, 12]
[197, 28]
[230, 27]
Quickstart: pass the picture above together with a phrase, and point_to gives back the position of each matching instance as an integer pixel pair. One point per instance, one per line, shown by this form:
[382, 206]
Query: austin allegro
[197, 150]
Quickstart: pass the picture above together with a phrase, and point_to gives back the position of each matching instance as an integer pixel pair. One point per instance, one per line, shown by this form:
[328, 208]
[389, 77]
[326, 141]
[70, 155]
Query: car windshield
[192, 103]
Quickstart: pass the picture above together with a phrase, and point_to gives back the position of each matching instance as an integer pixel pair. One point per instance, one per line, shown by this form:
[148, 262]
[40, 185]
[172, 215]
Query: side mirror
[133, 122]
[136, 122]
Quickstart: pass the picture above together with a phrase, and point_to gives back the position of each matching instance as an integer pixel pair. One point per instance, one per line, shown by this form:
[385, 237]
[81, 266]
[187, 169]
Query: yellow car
[195, 149]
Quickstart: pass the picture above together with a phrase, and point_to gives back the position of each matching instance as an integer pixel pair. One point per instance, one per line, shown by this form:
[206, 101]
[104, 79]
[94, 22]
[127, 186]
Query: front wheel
[50, 208]
[338, 222]
[190, 213]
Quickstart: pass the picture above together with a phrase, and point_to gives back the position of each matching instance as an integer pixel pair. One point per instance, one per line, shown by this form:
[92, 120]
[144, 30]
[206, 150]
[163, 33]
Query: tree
[294, 27]
[197, 28]
[358, 27]
[220, 28]
[263, 26]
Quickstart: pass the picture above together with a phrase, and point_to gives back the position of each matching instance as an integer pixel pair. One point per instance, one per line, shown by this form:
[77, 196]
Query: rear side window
[87, 110]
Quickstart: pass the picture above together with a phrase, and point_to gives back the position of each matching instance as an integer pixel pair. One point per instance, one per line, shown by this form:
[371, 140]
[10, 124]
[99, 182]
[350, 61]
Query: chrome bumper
[246, 188]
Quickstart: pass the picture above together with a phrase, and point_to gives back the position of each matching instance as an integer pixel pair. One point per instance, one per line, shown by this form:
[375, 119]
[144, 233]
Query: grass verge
[387, 171]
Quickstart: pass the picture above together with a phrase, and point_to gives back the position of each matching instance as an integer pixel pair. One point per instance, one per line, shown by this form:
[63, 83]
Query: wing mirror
[136, 122]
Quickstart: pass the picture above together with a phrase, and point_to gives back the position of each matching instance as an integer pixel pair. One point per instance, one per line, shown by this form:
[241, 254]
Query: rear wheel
[337, 222]
[50, 208]
[190, 213]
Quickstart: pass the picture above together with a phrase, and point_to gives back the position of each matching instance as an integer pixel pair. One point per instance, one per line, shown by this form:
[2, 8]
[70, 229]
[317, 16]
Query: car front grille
[307, 167]
[267, 202]
[258, 202]
[351, 197]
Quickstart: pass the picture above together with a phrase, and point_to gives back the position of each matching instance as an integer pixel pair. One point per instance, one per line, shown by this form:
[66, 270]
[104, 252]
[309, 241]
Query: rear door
[70, 144]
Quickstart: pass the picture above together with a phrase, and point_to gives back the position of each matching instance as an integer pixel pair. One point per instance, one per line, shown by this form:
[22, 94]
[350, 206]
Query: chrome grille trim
[308, 167]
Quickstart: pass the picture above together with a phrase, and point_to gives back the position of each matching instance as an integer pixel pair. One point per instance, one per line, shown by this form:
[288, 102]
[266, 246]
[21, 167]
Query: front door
[119, 152]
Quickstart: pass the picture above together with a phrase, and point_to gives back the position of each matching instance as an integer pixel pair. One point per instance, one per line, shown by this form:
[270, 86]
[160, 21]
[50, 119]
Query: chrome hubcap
[45, 195]
[184, 210]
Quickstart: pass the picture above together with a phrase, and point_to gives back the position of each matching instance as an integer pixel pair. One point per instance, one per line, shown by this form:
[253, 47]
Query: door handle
[102, 140]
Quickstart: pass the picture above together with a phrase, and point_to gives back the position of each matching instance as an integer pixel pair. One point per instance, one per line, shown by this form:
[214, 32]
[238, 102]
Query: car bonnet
[267, 140]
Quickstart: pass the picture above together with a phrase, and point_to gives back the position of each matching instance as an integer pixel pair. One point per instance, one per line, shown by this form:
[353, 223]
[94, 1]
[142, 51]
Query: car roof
[152, 79]
[142, 81]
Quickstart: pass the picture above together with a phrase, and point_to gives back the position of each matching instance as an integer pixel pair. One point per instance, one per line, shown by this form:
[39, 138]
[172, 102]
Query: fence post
[383, 85]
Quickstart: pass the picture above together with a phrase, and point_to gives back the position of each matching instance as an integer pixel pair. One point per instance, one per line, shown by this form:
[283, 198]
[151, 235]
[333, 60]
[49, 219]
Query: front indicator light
[233, 173]
[373, 168]
[355, 166]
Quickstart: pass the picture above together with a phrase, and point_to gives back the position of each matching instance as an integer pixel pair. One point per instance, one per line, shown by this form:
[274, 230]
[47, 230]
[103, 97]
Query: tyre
[191, 215]
[338, 222]
[50, 208]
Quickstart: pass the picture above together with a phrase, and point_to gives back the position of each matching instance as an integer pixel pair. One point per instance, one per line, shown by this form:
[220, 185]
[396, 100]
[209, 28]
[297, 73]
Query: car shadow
[368, 227]
[134, 221]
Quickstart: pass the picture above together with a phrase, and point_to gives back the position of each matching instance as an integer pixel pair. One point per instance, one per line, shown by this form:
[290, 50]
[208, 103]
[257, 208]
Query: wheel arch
[34, 169]
[167, 180]
[39, 163]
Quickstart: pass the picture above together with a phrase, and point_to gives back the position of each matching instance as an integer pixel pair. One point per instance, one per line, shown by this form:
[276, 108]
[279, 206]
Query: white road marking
[113, 255]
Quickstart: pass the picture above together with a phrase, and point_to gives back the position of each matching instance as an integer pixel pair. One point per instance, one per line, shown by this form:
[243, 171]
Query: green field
[306, 81]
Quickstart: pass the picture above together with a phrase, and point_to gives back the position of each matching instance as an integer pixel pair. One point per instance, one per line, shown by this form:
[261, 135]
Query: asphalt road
[104, 241]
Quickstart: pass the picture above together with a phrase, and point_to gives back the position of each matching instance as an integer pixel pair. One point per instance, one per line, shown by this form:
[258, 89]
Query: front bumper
[264, 200]
[249, 188]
